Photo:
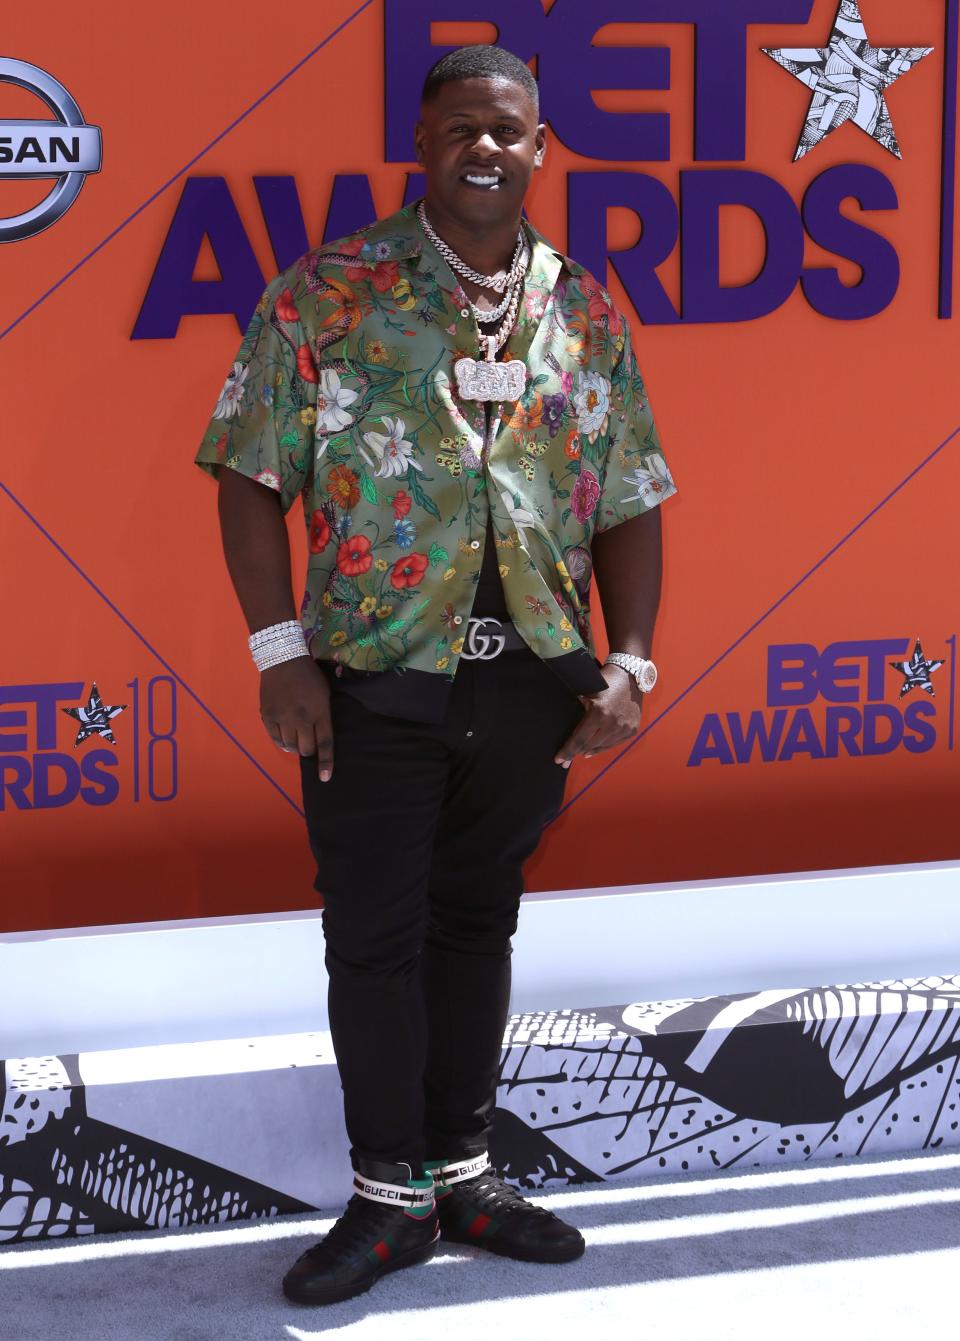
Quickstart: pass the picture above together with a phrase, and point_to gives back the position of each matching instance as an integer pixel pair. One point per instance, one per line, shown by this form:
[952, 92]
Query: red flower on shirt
[400, 502]
[285, 307]
[305, 364]
[382, 274]
[353, 556]
[319, 533]
[585, 495]
[599, 305]
[409, 571]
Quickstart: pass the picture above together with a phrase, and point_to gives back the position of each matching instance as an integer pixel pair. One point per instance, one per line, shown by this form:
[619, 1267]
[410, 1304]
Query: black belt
[486, 637]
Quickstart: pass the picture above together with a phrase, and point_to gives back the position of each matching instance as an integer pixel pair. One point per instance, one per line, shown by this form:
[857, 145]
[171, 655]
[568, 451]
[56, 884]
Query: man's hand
[612, 716]
[295, 709]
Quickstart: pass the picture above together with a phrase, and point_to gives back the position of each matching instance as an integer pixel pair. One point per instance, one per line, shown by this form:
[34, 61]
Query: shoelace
[495, 1195]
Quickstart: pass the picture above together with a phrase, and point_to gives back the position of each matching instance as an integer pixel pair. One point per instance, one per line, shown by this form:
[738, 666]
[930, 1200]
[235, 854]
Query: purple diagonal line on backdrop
[148, 645]
[186, 168]
[760, 620]
[948, 171]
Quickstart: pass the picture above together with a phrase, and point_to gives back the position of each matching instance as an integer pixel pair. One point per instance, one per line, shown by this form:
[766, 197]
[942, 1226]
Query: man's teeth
[476, 180]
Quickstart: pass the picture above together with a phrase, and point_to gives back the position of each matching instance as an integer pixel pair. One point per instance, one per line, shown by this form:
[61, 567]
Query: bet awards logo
[65, 149]
[844, 209]
[38, 773]
[826, 704]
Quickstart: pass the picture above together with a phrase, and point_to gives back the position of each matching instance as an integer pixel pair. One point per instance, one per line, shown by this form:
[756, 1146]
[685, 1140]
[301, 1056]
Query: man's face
[480, 143]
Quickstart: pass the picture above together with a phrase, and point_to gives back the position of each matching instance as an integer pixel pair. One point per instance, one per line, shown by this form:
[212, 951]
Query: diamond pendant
[486, 380]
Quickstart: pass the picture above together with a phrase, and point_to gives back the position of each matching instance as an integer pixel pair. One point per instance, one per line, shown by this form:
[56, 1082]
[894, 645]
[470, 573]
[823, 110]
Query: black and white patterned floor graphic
[754, 1079]
[585, 1095]
[65, 1173]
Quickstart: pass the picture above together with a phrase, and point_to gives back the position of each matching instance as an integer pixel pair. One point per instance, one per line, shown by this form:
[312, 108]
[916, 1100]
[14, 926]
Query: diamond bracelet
[287, 628]
[277, 643]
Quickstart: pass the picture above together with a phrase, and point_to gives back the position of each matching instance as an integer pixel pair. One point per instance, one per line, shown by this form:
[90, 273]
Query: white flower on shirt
[651, 480]
[231, 396]
[270, 478]
[393, 452]
[332, 402]
[591, 400]
[520, 516]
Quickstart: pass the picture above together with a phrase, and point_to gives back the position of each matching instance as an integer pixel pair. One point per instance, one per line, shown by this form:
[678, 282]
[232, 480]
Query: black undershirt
[489, 600]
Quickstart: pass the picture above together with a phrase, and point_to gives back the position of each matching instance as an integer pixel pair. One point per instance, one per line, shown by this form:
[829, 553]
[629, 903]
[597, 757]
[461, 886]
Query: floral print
[409, 572]
[404, 532]
[268, 477]
[342, 485]
[394, 454]
[343, 395]
[651, 480]
[401, 503]
[600, 307]
[585, 496]
[591, 401]
[353, 556]
[319, 533]
[231, 397]
[332, 403]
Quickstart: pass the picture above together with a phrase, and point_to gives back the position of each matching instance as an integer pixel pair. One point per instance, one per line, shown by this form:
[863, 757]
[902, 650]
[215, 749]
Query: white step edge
[95, 988]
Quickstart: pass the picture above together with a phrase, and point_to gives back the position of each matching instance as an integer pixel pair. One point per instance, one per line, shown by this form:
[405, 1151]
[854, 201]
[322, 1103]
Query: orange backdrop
[784, 434]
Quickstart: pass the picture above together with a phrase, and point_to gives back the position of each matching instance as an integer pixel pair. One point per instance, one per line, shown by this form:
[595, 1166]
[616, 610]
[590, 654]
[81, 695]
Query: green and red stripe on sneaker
[381, 1252]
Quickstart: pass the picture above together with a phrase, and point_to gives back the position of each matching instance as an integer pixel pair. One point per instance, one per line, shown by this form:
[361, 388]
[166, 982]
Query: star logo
[94, 718]
[917, 672]
[849, 78]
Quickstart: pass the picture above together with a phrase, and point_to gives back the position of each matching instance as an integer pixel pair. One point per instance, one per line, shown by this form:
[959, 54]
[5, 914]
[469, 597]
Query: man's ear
[418, 137]
[541, 145]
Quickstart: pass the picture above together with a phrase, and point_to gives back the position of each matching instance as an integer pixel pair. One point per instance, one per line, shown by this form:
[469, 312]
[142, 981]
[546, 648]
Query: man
[459, 407]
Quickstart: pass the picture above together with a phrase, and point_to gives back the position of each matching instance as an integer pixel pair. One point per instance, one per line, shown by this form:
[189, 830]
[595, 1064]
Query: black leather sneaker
[478, 1207]
[375, 1234]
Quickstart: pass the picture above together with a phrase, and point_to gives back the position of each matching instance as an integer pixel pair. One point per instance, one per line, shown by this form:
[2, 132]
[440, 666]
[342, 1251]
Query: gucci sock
[439, 1192]
[421, 1212]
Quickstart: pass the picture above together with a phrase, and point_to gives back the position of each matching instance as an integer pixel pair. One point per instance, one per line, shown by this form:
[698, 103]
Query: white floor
[845, 1249]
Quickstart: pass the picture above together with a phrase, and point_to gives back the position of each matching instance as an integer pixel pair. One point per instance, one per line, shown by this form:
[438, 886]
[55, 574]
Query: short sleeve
[636, 476]
[262, 424]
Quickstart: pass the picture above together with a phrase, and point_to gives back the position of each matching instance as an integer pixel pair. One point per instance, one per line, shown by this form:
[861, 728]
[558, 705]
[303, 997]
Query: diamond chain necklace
[496, 282]
[509, 300]
[489, 380]
[496, 342]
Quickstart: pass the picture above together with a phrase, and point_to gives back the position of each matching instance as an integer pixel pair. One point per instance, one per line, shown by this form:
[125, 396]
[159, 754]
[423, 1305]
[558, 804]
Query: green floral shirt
[343, 392]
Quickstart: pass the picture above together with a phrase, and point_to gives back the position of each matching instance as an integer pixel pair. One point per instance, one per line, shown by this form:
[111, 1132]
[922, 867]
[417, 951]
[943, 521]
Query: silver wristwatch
[644, 672]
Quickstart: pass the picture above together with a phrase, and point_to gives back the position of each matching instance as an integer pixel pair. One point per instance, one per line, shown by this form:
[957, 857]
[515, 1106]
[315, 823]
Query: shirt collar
[399, 237]
[396, 238]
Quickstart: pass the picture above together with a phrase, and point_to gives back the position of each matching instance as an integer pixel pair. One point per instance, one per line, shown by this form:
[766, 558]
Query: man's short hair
[480, 62]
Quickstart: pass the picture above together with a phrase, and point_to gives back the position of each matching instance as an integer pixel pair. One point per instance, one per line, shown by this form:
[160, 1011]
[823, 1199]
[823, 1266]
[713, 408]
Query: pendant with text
[485, 380]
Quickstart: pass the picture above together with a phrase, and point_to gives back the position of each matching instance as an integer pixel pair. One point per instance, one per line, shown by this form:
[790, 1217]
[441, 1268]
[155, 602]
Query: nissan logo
[65, 149]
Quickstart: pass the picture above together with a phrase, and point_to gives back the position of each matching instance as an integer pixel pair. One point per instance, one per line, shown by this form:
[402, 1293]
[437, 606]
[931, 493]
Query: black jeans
[420, 838]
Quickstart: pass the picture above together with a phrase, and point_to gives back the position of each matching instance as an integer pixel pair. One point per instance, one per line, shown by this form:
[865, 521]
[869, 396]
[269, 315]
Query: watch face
[648, 677]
